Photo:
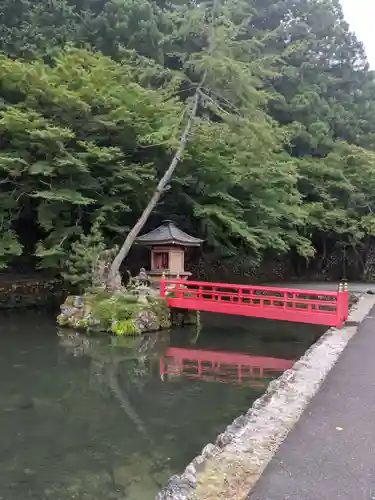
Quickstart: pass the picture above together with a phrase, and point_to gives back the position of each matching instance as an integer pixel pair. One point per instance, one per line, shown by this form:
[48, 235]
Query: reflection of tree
[107, 357]
[120, 395]
[108, 354]
[194, 338]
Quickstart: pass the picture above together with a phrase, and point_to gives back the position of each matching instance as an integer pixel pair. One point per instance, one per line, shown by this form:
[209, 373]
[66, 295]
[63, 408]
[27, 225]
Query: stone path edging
[228, 469]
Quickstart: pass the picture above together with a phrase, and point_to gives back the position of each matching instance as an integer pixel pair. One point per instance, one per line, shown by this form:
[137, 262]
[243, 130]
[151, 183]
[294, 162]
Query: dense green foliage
[93, 97]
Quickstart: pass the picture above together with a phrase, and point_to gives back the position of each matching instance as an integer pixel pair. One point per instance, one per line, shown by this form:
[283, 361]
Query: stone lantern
[168, 244]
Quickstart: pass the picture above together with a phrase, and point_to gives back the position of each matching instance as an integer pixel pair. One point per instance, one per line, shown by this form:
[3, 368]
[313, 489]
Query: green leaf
[68, 195]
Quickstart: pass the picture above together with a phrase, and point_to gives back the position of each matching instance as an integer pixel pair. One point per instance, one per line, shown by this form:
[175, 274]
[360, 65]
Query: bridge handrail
[300, 291]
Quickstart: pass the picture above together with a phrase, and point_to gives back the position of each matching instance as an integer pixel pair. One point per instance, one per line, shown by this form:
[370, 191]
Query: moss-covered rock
[120, 314]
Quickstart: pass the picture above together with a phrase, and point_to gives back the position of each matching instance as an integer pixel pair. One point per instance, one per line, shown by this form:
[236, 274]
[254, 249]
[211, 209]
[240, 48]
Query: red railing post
[346, 302]
[340, 306]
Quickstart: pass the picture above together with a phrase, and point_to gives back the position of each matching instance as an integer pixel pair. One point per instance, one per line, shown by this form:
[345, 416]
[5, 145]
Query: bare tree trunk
[133, 233]
[113, 275]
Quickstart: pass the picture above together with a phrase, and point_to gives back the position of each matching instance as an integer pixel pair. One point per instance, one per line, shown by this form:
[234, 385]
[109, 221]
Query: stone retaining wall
[30, 292]
[229, 468]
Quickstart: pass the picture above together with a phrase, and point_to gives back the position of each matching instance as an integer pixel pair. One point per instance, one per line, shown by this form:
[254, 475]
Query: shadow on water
[94, 418]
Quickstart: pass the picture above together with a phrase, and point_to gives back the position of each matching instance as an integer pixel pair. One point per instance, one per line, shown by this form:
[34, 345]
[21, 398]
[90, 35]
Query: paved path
[330, 453]
[355, 287]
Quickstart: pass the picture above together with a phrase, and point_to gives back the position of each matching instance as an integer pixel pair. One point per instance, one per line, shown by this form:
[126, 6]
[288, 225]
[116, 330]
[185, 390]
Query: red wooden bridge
[226, 367]
[287, 304]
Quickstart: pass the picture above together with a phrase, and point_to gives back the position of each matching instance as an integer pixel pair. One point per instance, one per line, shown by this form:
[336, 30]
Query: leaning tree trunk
[114, 272]
[164, 181]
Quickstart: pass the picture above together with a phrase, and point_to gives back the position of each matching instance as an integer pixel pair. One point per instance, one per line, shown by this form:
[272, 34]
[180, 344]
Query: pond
[102, 418]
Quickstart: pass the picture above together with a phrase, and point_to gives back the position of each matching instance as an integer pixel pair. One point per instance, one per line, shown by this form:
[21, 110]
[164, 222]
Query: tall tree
[166, 178]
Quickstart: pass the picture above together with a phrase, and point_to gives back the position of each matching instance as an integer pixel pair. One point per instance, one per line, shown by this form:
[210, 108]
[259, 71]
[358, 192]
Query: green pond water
[100, 419]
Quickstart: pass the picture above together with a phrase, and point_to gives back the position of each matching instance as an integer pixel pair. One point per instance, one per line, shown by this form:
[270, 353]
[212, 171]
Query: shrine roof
[168, 234]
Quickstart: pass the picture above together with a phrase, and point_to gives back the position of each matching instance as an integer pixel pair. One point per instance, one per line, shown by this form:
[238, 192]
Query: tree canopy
[93, 98]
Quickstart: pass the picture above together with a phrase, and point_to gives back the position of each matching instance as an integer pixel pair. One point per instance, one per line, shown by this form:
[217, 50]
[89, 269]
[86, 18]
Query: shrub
[125, 327]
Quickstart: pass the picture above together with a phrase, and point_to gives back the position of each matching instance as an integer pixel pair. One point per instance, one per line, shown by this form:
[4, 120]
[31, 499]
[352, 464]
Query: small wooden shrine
[168, 244]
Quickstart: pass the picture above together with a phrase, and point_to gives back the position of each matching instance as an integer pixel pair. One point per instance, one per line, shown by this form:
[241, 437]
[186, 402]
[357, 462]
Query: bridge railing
[221, 366]
[290, 304]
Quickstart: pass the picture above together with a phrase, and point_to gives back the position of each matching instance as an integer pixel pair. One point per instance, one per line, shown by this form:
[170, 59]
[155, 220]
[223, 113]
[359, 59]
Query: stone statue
[142, 277]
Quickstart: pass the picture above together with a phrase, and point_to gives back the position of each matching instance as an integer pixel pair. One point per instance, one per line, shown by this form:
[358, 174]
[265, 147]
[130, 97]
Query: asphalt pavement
[330, 453]
[354, 286]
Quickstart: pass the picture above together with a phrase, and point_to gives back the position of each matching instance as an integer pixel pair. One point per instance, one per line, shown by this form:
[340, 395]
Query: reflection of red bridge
[288, 304]
[221, 366]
